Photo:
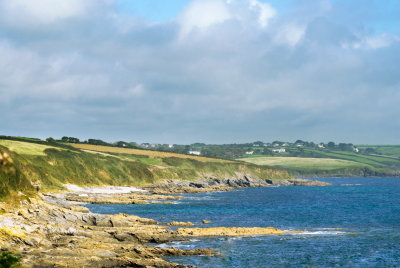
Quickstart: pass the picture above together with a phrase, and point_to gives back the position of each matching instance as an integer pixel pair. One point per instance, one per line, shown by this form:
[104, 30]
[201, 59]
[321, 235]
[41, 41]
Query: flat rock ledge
[50, 236]
[128, 198]
[229, 231]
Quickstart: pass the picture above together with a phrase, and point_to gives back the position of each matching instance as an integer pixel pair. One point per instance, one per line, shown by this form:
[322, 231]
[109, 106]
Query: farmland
[143, 153]
[299, 162]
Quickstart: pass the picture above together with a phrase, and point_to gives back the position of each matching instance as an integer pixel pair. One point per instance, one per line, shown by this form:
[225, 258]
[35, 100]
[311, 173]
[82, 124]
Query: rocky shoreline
[210, 184]
[53, 230]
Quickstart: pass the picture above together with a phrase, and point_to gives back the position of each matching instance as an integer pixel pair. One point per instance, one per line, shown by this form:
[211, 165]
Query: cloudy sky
[215, 71]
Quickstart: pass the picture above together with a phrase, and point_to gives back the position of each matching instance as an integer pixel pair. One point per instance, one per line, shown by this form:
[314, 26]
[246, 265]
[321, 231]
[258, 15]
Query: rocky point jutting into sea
[53, 230]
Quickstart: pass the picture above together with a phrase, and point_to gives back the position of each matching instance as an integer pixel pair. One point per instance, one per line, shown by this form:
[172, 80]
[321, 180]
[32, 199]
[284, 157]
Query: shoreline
[54, 230]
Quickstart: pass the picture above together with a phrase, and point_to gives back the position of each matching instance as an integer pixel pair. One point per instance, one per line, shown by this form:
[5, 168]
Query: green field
[388, 150]
[301, 163]
[317, 162]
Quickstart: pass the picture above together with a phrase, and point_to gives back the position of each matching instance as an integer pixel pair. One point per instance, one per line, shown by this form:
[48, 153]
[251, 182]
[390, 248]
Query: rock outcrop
[210, 184]
[50, 236]
[229, 231]
[180, 223]
[129, 198]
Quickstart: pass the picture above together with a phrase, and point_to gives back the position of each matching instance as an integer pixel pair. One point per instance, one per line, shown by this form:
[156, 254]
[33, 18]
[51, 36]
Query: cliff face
[53, 167]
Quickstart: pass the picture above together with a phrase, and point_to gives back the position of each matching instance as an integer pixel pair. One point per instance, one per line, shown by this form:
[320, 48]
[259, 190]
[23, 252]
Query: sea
[353, 223]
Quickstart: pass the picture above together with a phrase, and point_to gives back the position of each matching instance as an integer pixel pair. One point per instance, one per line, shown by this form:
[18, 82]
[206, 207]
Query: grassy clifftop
[30, 166]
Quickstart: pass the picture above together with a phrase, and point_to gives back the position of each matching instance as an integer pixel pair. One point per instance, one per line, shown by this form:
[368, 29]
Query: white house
[280, 150]
[250, 152]
[195, 152]
[321, 145]
[356, 150]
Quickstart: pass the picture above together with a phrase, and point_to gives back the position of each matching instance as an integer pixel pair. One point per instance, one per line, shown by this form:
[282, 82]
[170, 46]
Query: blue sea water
[353, 223]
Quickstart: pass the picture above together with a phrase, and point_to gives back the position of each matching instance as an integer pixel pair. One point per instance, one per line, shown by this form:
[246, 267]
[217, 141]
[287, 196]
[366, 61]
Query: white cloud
[264, 10]
[290, 34]
[137, 90]
[200, 14]
[220, 67]
[373, 42]
[39, 12]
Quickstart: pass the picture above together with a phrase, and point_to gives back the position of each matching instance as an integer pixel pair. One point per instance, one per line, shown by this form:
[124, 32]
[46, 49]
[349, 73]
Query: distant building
[321, 145]
[195, 152]
[356, 150]
[145, 145]
[170, 146]
[250, 152]
[280, 150]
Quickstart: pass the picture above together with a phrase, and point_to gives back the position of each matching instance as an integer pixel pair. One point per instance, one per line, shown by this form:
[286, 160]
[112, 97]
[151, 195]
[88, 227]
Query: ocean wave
[322, 233]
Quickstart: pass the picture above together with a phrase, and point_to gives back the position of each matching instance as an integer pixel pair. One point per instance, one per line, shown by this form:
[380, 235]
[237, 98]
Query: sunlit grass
[149, 153]
[25, 148]
[301, 162]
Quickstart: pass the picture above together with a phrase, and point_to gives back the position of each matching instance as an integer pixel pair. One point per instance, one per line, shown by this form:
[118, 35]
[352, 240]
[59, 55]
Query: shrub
[9, 259]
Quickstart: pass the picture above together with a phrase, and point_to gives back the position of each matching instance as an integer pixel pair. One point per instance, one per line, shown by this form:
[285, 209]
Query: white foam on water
[103, 190]
[327, 231]
[175, 245]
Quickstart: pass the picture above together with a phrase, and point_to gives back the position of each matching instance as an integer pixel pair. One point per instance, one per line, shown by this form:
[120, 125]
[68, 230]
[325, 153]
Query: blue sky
[161, 10]
[384, 17]
[212, 71]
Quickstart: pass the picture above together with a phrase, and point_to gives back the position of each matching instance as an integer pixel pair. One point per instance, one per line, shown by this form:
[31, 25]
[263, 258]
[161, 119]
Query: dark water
[357, 225]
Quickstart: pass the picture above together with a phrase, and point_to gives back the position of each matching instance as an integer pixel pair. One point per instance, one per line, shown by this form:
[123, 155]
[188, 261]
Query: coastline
[54, 230]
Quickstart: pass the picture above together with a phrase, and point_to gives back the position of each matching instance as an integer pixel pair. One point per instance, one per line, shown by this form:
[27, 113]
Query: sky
[213, 71]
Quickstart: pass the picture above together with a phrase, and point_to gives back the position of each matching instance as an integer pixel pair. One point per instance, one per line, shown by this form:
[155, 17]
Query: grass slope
[388, 150]
[49, 167]
[146, 153]
[299, 162]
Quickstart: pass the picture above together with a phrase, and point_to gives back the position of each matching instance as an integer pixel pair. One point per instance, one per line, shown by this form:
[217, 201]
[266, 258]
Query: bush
[9, 259]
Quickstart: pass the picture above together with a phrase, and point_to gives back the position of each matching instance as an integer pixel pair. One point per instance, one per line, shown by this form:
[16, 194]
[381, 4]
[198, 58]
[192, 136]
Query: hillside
[313, 162]
[29, 166]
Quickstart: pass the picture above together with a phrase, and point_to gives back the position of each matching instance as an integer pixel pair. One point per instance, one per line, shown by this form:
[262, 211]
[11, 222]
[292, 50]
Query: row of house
[280, 150]
[154, 145]
[194, 152]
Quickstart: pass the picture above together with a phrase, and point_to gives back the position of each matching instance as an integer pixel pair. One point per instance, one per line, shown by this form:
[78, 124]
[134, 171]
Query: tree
[70, 139]
[331, 145]
[50, 140]
[345, 146]
[98, 142]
